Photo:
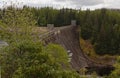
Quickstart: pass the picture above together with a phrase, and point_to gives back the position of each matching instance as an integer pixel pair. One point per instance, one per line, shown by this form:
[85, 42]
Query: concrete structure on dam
[68, 37]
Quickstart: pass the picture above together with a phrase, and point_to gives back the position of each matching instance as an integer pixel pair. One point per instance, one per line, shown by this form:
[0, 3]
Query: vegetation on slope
[89, 50]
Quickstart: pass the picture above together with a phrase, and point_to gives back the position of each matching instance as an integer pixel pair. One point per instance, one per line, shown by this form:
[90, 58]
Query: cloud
[90, 2]
[80, 3]
[93, 7]
[83, 2]
[112, 4]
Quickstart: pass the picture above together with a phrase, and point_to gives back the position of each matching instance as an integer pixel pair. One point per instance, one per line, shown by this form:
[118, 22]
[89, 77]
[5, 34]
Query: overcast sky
[77, 4]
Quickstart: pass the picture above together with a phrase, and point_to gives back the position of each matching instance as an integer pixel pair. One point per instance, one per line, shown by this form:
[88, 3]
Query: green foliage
[15, 23]
[17, 17]
[116, 72]
[29, 59]
[60, 55]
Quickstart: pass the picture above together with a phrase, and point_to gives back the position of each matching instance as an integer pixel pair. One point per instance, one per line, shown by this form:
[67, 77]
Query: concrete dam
[68, 37]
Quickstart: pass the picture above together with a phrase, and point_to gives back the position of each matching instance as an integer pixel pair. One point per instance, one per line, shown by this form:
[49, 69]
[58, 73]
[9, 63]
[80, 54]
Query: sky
[75, 4]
